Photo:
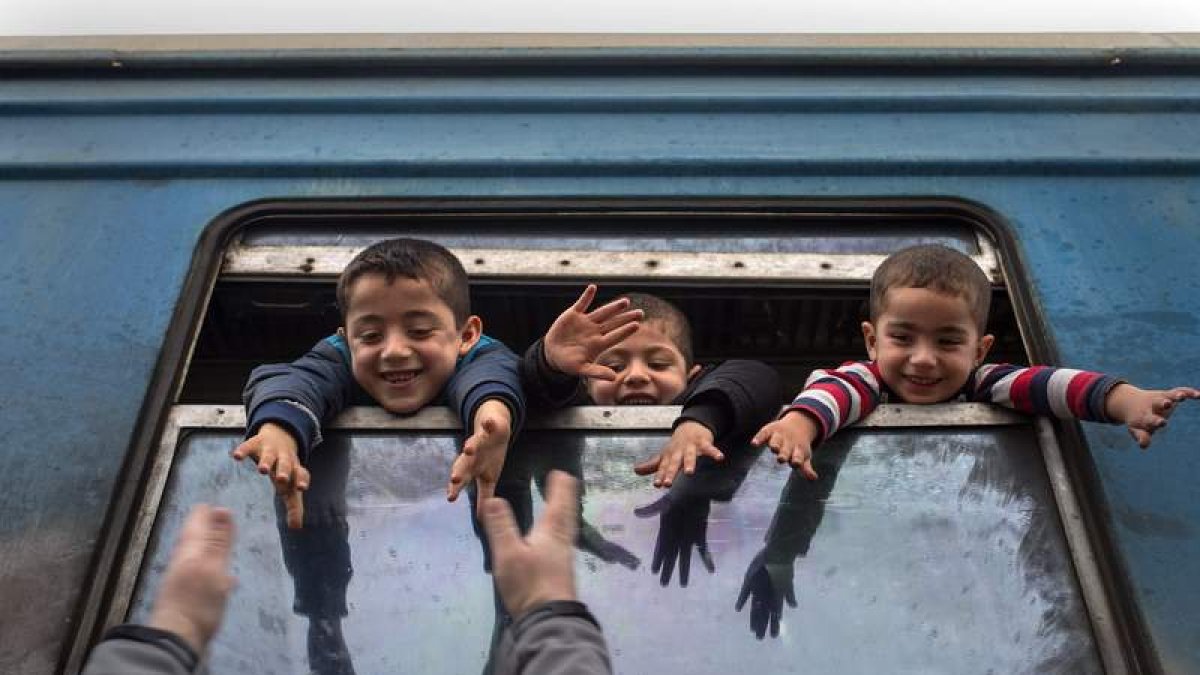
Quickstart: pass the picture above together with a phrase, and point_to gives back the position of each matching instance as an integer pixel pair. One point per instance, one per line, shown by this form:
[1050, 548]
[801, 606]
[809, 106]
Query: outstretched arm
[1079, 394]
[1145, 411]
[286, 404]
[722, 409]
[486, 392]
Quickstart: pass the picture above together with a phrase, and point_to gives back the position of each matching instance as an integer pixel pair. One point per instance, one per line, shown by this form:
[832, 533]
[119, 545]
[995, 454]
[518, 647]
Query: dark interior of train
[794, 329]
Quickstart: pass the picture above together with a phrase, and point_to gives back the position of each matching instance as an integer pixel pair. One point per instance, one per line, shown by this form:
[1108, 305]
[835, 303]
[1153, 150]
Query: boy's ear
[982, 347]
[341, 332]
[695, 370]
[869, 337]
[469, 333]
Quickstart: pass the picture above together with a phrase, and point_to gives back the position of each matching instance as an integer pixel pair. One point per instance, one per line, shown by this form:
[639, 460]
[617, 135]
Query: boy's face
[404, 343]
[925, 343]
[650, 370]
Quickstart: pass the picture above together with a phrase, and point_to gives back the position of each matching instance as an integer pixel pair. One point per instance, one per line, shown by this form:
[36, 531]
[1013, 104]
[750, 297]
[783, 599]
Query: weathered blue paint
[106, 185]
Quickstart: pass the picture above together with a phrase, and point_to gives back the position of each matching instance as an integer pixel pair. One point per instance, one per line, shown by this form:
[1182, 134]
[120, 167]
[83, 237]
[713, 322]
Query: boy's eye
[420, 333]
[951, 342]
[370, 336]
[660, 365]
[902, 338]
[616, 366]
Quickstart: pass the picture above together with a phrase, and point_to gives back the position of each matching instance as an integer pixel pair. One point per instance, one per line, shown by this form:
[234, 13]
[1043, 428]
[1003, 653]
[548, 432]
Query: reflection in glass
[927, 551]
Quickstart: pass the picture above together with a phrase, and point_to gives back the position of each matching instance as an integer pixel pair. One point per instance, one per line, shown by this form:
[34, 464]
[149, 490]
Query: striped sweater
[838, 398]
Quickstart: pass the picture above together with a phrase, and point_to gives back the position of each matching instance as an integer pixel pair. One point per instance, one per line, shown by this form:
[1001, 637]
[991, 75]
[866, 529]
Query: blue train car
[174, 211]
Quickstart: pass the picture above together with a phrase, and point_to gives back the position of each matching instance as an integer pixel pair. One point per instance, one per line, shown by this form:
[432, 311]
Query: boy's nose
[636, 375]
[396, 347]
[923, 355]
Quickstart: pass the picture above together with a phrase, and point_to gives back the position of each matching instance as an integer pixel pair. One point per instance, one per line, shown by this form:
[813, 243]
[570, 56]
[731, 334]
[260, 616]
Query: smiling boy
[637, 350]
[926, 341]
[408, 340]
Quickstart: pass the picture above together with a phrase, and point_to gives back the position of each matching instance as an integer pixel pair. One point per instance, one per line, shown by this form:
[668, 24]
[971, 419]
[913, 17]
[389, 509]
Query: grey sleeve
[558, 638]
[139, 650]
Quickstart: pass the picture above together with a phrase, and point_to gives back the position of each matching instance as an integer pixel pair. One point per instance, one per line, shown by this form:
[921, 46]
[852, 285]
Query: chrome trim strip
[328, 261]
[1086, 570]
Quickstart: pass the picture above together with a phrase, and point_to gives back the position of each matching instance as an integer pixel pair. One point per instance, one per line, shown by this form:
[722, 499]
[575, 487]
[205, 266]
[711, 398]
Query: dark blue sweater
[309, 392]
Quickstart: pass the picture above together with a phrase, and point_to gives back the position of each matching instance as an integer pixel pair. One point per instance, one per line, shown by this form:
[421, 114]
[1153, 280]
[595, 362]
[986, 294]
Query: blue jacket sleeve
[490, 370]
[303, 395]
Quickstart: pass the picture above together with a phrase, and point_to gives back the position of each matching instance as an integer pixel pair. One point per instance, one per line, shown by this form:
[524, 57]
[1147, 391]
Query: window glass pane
[760, 234]
[917, 551]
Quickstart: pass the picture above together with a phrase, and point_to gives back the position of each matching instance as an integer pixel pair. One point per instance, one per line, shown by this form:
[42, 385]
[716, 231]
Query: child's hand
[483, 452]
[577, 336]
[688, 441]
[1145, 411]
[275, 451]
[790, 438]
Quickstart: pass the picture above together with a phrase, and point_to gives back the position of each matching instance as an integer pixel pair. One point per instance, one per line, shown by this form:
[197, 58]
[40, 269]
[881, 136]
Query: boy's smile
[650, 370]
[926, 344]
[404, 343]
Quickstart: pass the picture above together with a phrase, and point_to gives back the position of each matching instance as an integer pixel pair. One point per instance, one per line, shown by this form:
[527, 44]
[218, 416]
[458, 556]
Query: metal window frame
[602, 419]
[326, 262]
[1119, 628]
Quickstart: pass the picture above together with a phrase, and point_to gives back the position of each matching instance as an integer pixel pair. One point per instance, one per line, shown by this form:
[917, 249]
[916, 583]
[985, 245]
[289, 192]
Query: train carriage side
[176, 210]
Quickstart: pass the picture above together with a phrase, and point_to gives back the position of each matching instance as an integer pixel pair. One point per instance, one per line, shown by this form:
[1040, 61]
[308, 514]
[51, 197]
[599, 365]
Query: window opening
[786, 289]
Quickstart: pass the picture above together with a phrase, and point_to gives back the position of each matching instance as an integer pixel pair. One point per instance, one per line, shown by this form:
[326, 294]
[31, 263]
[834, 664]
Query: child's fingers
[596, 371]
[614, 337]
[647, 467]
[667, 470]
[609, 310]
[624, 320]
[782, 449]
[458, 474]
[284, 468]
[471, 445]
[712, 452]
[266, 460]
[1142, 437]
[1180, 393]
[689, 460]
[303, 478]
[294, 500]
[763, 434]
[248, 448]
[585, 298]
[807, 469]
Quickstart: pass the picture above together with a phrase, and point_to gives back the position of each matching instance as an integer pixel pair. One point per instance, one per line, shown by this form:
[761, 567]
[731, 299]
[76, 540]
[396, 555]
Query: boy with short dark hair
[637, 350]
[926, 342]
[407, 340]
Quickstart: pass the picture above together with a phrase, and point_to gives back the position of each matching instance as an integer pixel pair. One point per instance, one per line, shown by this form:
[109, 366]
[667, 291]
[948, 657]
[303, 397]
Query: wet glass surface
[763, 235]
[917, 551]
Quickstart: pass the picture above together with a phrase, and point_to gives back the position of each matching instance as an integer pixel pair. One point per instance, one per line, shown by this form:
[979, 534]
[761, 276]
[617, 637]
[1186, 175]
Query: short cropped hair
[413, 259]
[938, 268]
[675, 323]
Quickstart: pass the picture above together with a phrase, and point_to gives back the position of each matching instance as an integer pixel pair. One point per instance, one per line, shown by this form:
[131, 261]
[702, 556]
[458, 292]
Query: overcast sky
[100, 17]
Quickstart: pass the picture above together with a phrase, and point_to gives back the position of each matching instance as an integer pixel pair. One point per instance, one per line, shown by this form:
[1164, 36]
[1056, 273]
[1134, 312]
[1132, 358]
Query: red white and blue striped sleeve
[839, 398]
[1043, 390]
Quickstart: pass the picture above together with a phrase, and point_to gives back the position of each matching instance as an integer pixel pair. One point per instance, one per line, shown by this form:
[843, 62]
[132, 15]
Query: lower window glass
[918, 550]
